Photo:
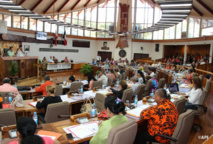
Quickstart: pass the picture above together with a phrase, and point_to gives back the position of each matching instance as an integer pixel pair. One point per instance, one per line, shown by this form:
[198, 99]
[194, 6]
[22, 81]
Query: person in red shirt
[42, 88]
[162, 119]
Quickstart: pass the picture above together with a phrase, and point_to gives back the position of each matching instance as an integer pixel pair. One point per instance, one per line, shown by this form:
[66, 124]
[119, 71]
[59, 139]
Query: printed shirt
[162, 119]
[154, 84]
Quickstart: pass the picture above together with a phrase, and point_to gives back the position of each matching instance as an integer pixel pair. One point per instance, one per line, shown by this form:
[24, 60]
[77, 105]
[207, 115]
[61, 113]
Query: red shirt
[42, 88]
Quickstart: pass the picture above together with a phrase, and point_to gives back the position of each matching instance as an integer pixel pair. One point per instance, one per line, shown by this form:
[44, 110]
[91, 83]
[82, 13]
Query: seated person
[111, 75]
[42, 88]
[103, 78]
[10, 52]
[49, 99]
[70, 80]
[162, 119]
[7, 87]
[136, 84]
[122, 70]
[107, 60]
[55, 59]
[154, 83]
[151, 72]
[115, 110]
[122, 86]
[44, 60]
[174, 69]
[26, 129]
[66, 59]
[91, 79]
[51, 60]
[20, 52]
[94, 62]
[182, 70]
[189, 76]
[195, 93]
[141, 78]
[132, 63]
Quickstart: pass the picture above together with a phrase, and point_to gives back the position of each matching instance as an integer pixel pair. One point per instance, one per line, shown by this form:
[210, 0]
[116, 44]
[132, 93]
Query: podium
[26, 66]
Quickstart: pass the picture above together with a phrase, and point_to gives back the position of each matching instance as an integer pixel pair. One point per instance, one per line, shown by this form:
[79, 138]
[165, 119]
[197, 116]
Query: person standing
[20, 52]
[98, 58]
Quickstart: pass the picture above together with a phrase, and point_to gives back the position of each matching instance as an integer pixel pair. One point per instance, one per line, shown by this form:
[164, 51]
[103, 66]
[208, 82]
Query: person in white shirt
[136, 84]
[20, 52]
[141, 78]
[103, 78]
[194, 95]
[151, 73]
[51, 60]
[98, 58]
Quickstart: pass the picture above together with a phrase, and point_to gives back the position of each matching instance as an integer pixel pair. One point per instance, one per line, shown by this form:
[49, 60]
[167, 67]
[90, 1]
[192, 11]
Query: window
[194, 27]
[47, 27]
[158, 35]
[7, 18]
[24, 22]
[61, 29]
[33, 24]
[0, 16]
[16, 21]
[53, 28]
[39, 25]
[178, 30]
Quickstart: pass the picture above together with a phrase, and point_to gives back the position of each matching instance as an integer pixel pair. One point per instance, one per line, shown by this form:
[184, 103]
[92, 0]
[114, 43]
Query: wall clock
[122, 53]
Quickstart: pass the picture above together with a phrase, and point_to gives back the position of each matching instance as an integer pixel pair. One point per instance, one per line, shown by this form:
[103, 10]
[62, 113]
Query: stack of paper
[33, 104]
[52, 135]
[137, 111]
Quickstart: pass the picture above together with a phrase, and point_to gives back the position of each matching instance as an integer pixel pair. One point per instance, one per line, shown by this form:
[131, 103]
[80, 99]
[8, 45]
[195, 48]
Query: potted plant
[13, 70]
[86, 69]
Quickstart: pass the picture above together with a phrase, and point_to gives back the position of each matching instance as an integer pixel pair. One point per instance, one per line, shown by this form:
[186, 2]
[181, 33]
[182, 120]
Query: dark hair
[10, 47]
[6, 80]
[115, 105]
[190, 70]
[91, 77]
[197, 82]
[20, 45]
[35, 139]
[162, 93]
[26, 126]
[150, 69]
[142, 75]
[46, 78]
[123, 84]
[72, 78]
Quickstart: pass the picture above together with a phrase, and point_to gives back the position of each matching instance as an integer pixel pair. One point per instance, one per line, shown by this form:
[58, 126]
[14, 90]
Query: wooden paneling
[171, 50]
[105, 55]
[198, 49]
[140, 56]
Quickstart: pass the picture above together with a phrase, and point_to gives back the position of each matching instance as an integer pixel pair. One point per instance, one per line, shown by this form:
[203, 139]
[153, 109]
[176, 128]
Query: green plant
[97, 72]
[13, 68]
[86, 69]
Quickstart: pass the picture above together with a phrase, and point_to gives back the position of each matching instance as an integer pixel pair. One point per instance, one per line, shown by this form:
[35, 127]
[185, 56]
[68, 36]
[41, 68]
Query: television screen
[41, 36]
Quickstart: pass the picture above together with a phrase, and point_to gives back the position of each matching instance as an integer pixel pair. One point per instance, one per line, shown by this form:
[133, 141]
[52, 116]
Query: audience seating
[75, 86]
[53, 110]
[7, 116]
[180, 105]
[123, 75]
[110, 81]
[157, 75]
[99, 101]
[182, 130]
[201, 78]
[161, 83]
[58, 90]
[208, 85]
[120, 77]
[127, 95]
[147, 89]
[4, 94]
[97, 84]
[140, 91]
[123, 134]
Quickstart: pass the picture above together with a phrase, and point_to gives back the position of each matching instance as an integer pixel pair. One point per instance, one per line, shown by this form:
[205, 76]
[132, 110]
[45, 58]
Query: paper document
[33, 104]
[137, 111]
[52, 135]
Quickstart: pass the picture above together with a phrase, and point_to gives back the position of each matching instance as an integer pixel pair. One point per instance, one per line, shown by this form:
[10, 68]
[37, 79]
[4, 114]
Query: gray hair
[135, 79]
[162, 93]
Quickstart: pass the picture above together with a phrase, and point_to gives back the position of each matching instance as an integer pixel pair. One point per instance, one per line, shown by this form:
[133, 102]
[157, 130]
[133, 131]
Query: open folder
[137, 111]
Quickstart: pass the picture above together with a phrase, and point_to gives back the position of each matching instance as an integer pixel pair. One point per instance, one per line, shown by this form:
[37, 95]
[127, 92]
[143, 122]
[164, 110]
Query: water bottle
[15, 84]
[35, 118]
[152, 93]
[103, 86]
[79, 80]
[10, 98]
[136, 100]
[118, 82]
[96, 77]
[82, 89]
[165, 87]
[64, 80]
[127, 79]
[93, 113]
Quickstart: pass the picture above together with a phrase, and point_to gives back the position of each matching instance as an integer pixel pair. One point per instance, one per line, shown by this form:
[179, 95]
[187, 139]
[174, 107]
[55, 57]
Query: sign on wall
[3, 26]
[105, 46]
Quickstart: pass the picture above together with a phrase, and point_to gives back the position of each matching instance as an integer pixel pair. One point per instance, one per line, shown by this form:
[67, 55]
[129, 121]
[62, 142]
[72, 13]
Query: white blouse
[140, 80]
[194, 95]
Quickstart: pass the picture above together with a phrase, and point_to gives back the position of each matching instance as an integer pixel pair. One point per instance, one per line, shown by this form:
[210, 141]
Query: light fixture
[175, 5]
[176, 11]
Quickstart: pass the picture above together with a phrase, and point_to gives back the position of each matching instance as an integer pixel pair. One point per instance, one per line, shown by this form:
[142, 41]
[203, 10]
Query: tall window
[207, 27]
[24, 22]
[8, 19]
[16, 21]
[194, 27]
[33, 24]
[39, 25]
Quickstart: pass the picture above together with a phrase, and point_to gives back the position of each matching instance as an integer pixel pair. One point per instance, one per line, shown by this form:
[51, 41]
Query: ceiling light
[174, 15]
[175, 5]
[169, 11]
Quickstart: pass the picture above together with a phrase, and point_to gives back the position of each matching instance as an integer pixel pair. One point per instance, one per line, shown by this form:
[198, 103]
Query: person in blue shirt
[94, 62]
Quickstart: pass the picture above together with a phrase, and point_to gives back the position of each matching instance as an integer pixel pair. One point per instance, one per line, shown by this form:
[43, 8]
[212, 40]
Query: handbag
[86, 106]
[17, 101]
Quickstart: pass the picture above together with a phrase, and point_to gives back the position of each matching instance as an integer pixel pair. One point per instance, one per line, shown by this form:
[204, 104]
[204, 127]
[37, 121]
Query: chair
[161, 83]
[99, 101]
[120, 77]
[147, 89]
[157, 75]
[58, 90]
[123, 134]
[75, 86]
[140, 91]
[110, 81]
[97, 84]
[208, 85]
[180, 105]
[53, 110]
[182, 130]
[123, 75]
[201, 78]
[127, 95]
[7, 116]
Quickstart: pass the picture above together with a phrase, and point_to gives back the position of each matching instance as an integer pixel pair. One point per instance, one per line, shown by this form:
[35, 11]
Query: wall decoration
[105, 46]
[27, 49]
[122, 53]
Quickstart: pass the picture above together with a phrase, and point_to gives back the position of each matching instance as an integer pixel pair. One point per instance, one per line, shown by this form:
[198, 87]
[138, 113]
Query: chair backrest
[157, 75]
[180, 105]
[123, 134]
[58, 90]
[183, 127]
[123, 75]
[203, 98]
[127, 95]
[99, 101]
[55, 109]
[120, 77]
[148, 86]
[7, 116]
[4, 94]
[97, 84]
[208, 85]
[110, 81]
[161, 83]
[140, 91]
[201, 78]
[75, 86]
